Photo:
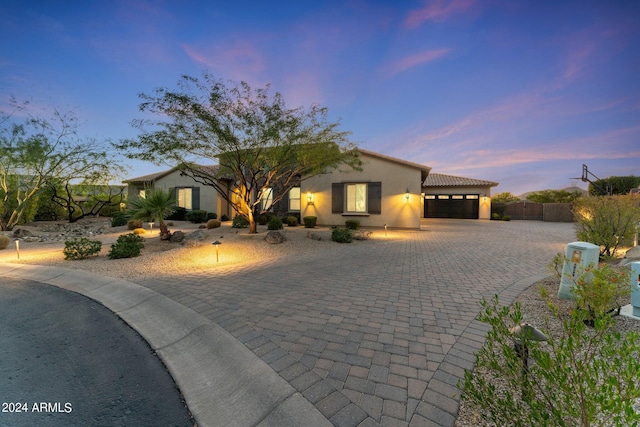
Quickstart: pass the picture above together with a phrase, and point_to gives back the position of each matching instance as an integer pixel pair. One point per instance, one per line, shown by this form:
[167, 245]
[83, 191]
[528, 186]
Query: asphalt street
[67, 360]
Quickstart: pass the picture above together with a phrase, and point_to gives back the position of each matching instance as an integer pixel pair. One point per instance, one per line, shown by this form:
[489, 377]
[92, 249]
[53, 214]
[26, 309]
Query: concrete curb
[223, 382]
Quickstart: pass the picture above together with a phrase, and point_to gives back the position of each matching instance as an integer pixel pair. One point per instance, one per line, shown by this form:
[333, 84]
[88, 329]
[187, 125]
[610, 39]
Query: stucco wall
[396, 178]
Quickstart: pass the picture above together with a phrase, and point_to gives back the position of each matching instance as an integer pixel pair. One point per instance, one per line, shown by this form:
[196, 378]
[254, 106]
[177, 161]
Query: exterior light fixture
[385, 230]
[407, 194]
[217, 244]
[524, 334]
[150, 226]
[18, 248]
[310, 198]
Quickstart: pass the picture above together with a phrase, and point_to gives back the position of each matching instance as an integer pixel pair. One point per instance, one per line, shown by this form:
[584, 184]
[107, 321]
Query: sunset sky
[518, 92]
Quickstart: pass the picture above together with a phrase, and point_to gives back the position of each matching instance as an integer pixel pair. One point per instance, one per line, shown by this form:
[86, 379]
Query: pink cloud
[415, 60]
[436, 10]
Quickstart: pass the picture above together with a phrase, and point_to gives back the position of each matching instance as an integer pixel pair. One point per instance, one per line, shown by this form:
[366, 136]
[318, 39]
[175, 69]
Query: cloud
[242, 60]
[436, 10]
[415, 60]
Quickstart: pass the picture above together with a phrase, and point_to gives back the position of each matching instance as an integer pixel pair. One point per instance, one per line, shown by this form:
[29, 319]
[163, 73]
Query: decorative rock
[274, 237]
[313, 236]
[20, 233]
[177, 237]
[633, 253]
[198, 235]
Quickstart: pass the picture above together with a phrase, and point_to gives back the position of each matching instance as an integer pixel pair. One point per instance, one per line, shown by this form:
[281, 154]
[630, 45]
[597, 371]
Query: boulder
[633, 253]
[21, 232]
[313, 236]
[177, 237]
[274, 237]
[198, 235]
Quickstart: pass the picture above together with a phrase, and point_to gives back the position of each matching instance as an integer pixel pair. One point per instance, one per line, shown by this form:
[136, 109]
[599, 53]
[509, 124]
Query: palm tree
[156, 205]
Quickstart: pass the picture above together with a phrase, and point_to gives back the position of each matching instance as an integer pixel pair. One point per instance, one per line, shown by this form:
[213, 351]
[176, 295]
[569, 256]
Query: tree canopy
[619, 184]
[554, 196]
[36, 153]
[505, 197]
[259, 143]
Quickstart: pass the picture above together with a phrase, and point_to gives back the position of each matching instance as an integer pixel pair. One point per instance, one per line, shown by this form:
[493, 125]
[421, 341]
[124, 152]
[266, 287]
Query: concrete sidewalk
[375, 333]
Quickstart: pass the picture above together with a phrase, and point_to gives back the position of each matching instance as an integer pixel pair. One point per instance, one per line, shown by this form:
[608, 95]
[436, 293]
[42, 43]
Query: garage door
[463, 206]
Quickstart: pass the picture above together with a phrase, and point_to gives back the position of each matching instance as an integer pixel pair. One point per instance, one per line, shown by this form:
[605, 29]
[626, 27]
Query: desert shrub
[361, 235]
[310, 221]
[197, 216]
[179, 214]
[263, 219]
[212, 215]
[4, 241]
[292, 221]
[139, 231]
[506, 218]
[580, 377]
[352, 224]
[607, 221]
[127, 246]
[240, 222]
[342, 235]
[132, 224]
[213, 223]
[81, 248]
[275, 223]
[224, 217]
[495, 216]
[118, 219]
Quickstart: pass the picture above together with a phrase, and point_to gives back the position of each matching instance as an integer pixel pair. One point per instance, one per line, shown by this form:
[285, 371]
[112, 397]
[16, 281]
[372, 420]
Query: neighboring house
[448, 196]
[187, 193]
[387, 191]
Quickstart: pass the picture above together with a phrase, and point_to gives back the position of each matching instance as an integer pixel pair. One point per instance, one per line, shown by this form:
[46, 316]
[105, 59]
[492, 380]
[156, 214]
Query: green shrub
[310, 221]
[352, 224]
[4, 241]
[197, 216]
[275, 223]
[342, 235]
[127, 246]
[224, 217]
[609, 222]
[179, 214]
[118, 219]
[81, 248]
[580, 377]
[240, 222]
[506, 218]
[213, 223]
[263, 219]
[132, 224]
[292, 221]
[212, 215]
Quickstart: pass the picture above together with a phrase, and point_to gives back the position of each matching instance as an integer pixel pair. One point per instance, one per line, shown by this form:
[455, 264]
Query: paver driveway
[377, 333]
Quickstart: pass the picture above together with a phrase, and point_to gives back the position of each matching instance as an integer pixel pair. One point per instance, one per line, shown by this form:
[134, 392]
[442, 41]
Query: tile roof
[208, 169]
[440, 180]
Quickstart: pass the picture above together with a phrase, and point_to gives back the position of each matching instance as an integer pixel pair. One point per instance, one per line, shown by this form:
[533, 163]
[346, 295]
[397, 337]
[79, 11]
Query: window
[294, 199]
[267, 199]
[185, 197]
[356, 198]
[142, 194]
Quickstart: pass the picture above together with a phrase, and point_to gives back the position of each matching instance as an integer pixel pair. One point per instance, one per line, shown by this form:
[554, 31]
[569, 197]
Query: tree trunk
[165, 234]
[253, 225]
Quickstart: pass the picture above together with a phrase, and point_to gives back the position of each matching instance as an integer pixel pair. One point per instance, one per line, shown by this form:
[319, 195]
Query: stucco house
[387, 191]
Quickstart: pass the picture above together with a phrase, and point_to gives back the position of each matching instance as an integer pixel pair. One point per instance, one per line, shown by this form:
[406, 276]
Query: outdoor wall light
[407, 194]
[217, 244]
[309, 198]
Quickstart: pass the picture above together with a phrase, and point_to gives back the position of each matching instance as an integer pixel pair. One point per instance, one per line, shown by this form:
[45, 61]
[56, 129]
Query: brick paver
[376, 333]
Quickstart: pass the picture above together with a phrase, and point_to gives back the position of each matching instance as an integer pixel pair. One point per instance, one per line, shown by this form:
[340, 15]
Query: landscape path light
[525, 333]
[150, 226]
[217, 243]
[18, 248]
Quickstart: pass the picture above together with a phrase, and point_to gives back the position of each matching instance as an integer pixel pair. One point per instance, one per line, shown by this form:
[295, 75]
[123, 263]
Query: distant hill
[569, 189]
